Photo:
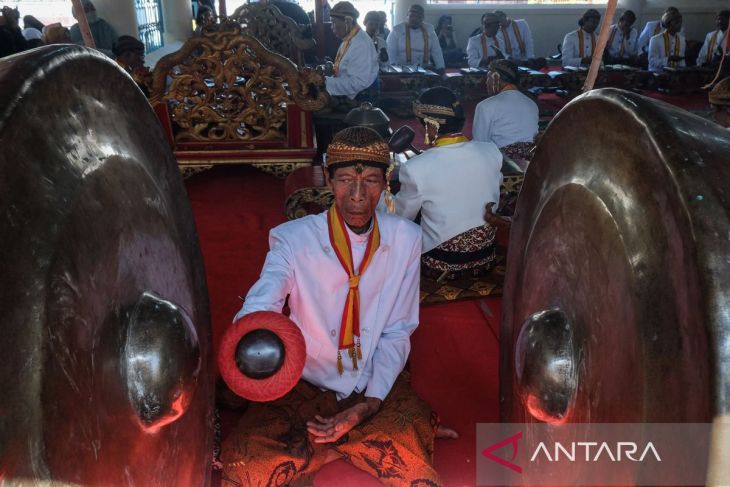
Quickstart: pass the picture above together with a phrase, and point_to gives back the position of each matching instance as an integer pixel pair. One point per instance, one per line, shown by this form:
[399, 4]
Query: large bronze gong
[104, 320]
[618, 274]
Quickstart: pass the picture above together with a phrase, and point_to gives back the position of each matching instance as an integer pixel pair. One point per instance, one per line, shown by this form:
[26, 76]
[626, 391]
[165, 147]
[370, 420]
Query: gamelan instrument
[105, 343]
[618, 273]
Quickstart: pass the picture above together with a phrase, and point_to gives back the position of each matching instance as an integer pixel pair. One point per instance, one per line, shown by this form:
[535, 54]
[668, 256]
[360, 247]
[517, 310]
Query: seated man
[652, 28]
[11, 37]
[372, 28]
[205, 15]
[414, 43]
[453, 55]
[104, 34]
[719, 98]
[579, 45]
[353, 400]
[383, 28]
[621, 47]
[356, 64]
[667, 49]
[711, 51]
[129, 54]
[508, 118]
[516, 38]
[450, 185]
[485, 47]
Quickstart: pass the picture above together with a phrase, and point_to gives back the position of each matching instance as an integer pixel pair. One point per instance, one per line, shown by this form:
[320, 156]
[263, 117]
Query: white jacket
[526, 35]
[450, 186]
[358, 68]
[301, 264]
[659, 57]
[397, 46]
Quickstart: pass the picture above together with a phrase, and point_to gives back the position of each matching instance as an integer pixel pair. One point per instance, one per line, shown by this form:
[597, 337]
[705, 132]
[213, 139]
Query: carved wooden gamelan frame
[224, 98]
[275, 30]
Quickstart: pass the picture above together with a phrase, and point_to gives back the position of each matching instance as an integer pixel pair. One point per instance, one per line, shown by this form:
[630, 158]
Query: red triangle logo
[513, 440]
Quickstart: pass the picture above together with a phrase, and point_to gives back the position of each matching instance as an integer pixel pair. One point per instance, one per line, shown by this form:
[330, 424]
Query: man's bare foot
[444, 432]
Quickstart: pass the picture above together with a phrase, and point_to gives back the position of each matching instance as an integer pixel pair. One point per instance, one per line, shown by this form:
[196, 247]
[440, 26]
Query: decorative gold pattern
[483, 288]
[226, 86]
[511, 185]
[422, 110]
[308, 201]
[275, 30]
[280, 170]
[188, 171]
[435, 292]
[448, 292]
[338, 152]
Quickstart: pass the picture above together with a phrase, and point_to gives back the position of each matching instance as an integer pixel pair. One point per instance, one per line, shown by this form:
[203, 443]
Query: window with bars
[149, 23]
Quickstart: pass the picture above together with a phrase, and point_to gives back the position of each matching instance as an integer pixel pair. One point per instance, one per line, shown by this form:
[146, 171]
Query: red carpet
[454, 359]
[234, 209]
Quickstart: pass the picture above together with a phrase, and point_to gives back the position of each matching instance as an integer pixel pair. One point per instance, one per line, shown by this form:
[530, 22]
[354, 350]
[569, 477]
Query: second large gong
[618, 274]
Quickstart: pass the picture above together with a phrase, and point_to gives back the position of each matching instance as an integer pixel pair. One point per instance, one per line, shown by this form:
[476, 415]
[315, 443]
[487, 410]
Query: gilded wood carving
[224, 85]
[275, 30]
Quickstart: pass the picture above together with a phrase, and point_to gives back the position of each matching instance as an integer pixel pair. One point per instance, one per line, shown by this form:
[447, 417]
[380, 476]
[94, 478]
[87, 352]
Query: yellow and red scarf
[485, 48]
[518, 36]
[711, 47]
[425, 46]
[666, 46]
[350, 326]
[344, 47]
[581, 42]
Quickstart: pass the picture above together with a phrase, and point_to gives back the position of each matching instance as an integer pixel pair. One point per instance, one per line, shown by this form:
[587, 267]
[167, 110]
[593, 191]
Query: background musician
[356, 64]
[579, 45]
[484, 47]
[667, 49]
[623, 41]
[415, 43]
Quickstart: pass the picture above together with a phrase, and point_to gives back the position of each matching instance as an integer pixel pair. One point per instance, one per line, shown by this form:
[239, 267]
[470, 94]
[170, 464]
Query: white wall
[549, 24]
[177, 16]
[120, 14]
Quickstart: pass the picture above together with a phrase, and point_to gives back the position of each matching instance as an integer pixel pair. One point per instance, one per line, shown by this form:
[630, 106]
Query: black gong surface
[103, 305]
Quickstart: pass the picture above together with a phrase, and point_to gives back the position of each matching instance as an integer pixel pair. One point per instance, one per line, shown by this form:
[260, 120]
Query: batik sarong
[519, 152]
[469, 254]
[270, 446]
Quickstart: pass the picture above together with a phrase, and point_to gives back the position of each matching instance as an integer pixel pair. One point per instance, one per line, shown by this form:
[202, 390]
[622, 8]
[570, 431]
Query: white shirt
[526, 35]
[358, 68]
[652, 28]
[474, 51]
[717, 46]
[506, 118]
[571, 47]
[658, 57]
[630, 43]
[302, 264]
[450, 186]
[397, 46]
